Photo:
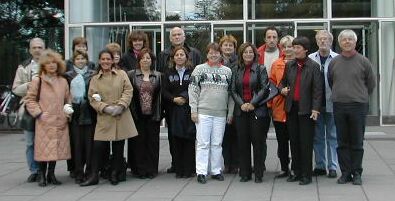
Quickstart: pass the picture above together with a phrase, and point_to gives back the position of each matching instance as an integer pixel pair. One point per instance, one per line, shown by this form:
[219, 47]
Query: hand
[285, 91]
[44, 116]
[314, 115]
[229, 120]
[244, 107]
[194, 117]
[118, 109]
[96, 97]
[250, 107]
[68, 109]
[179, 100]
[109, 109]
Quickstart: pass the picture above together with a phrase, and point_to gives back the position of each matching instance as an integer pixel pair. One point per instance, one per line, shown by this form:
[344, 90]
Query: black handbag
[28, 122]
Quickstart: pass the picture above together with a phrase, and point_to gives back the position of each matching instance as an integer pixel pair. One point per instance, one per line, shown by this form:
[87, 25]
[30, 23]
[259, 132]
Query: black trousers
[82, 138]
[99, 147]
[301, 134]
[350, 123]
[230, 150]
[170, 138]
[283, 144]
[146, 146]
[185, 156]
[252, 130]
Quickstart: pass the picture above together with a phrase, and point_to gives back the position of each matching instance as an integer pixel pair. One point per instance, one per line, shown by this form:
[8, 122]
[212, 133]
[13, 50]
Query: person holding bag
[51, 108]
[249, 89]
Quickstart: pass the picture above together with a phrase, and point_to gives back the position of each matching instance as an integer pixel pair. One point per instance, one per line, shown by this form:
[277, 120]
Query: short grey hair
[171, 31]
[324, 31]
[347, 33]
[37, 40]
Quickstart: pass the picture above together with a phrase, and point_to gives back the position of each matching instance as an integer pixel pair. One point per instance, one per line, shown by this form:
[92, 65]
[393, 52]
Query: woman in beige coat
[110, 93]
[47, 100]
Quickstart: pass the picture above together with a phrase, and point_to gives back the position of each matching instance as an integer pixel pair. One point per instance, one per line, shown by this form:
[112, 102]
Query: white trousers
[209, 134]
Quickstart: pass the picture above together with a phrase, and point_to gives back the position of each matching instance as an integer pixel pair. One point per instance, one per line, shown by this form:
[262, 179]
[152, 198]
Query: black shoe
[171, 170]
[293, 178]
[122, 176]
[178, 176]
[245, 178]
[344, 179]
[151, 175]
[282, 174]
[332, 174]
[201, 179]
[258, 180]
[356, 179]
[319, 172]
[42, 180]
[92, 180]
[72, 174]
[305, 181]
[32, 178]
[218, 177]
[78, 180]
[51, 179]
[113, 178]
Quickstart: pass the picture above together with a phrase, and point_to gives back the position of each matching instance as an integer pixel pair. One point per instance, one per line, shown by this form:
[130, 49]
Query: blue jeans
[31, 163]
[325, 142]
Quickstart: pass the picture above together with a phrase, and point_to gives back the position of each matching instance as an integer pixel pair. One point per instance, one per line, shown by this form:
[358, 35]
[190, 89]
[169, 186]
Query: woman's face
[145, 62]
[180, 58]
[106, 61]
[117, 57]
[80, 61]
[248, 55]
[138, 44]
[51, 67]
[213, 56]
[227, 48]
[81, 47]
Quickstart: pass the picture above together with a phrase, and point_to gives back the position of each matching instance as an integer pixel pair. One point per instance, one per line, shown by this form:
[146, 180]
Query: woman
[251, 117]
[115, 49]
[84, 117]
[146, 110]
[230, 151]
[48, 100]
[175, 90]
[277, 106]
[209, 97]
[137, 40]
[302, 87]
[110, 93]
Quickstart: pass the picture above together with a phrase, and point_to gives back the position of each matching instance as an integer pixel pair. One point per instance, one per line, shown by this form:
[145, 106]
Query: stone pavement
[378, 179]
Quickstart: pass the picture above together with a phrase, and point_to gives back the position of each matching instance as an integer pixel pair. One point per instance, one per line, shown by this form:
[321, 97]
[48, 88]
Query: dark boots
[47, 176]
[42, 181]
[51, 179]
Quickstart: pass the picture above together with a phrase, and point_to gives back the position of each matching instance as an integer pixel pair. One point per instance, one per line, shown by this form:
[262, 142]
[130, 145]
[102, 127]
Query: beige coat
[114, 89]
[51, 140]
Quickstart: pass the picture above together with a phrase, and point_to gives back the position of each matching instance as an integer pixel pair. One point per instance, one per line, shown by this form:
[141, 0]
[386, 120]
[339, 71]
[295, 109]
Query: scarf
[77, 86]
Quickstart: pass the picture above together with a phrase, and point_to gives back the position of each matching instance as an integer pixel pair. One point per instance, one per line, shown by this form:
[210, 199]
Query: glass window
[266, 9]
[255, 31]
[73, 32]
[351, 8]
[388, 72]
[236, 30]
[382, 8]
[177, 10]
[309, 30]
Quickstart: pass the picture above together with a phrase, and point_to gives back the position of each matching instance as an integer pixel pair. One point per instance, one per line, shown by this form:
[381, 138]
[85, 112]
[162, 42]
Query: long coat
[114, 89]
[51, 141]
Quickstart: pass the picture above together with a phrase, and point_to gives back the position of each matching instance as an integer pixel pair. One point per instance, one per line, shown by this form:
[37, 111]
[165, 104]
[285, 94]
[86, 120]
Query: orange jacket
[277, 103]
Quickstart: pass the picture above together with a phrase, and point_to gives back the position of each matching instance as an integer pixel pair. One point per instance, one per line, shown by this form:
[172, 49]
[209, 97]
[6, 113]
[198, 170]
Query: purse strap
[39, 90]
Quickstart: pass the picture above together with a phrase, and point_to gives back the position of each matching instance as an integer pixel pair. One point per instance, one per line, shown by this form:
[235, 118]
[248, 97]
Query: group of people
[215, 108]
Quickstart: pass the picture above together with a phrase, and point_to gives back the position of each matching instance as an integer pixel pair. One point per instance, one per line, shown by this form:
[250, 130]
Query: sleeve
[318, 80]
[127, 92]
[370, 77]
[329, 74]
[263, 81]
[194, 90]
[159, 62]
[238, 101]
[97, 105]
[68, 94]
[32, 106]
[273, 79]
[166, 88]
[284, 81]
[19, 87]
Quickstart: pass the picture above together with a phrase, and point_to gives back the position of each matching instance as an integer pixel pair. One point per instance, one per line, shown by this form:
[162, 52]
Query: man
[270, 51]
[302, 86]
[352, 80]
[325, 143]
[177, 38]
[24, 74]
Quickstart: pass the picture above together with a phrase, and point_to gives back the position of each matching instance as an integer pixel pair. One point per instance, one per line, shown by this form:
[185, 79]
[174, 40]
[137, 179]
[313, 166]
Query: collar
[213, 65]
[113, 71]
[332, 54]
[140, 73]
[349, 54]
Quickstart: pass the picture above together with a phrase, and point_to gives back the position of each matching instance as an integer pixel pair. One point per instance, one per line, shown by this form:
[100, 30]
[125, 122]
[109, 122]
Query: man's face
[271, 38]
[348, 43]
[324, 42]
[177, 36]
[35, 49]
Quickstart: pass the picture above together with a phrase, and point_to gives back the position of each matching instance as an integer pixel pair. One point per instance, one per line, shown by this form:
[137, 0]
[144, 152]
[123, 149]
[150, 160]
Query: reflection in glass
[351, 8]
[229, 29]
[388, 72]
[309, 30]
[277, 9]
[154, 36]
[137, 10]
[177, 10]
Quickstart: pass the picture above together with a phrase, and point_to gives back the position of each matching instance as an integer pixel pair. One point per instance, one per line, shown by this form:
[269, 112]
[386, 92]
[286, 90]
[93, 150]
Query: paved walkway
[378, 179]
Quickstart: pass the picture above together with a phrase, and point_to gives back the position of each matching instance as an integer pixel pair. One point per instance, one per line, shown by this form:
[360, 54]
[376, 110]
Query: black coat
[180, 115]
[136, 78]
[70, 65]
[128, 61]
[258, 85]
[310, 86]
[162, 62]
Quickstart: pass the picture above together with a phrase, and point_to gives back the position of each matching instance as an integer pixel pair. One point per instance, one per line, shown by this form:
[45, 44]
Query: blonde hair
[228, 38]
[286, 40]
[49, 56]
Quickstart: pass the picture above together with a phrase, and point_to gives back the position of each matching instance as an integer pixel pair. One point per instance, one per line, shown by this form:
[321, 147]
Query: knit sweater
[209, 90]
[351, 79]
